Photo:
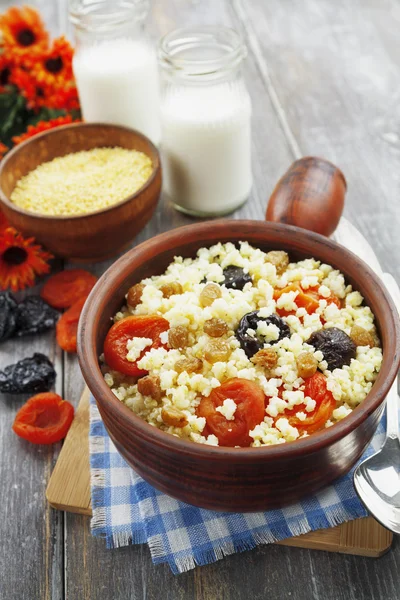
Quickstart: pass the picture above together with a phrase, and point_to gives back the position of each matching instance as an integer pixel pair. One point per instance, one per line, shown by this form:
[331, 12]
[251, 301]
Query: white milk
[206, 146]
[117, 82]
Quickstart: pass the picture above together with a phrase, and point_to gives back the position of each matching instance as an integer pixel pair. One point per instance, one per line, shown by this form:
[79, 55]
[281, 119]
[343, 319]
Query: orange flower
[6, 67]
[54, 67]
[64, 98]
[43, 126]
[23, 31]
[3, 150]
[21, 260]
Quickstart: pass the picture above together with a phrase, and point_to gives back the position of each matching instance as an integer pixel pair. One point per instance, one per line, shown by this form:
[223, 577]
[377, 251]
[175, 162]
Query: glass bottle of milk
[115, 64]
[205, 120]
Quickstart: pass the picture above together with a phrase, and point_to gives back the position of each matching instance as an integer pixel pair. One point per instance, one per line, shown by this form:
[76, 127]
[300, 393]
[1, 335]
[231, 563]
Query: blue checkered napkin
[127, 510]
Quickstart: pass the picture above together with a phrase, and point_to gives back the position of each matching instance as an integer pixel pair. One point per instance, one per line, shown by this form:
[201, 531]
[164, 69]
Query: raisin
[235, 277]
[306, 365]
[215, 327]
[209, 293]
[29, 375]
[362, 337]
[178, 337]
[8, 316]
[134, 295]
[173, 417]
[34, 315]
[267, 358]
[190, 365]
[336, 346]
[216, 351]
[150, 386]
[170, 289]
[279, 259]
[251, 344]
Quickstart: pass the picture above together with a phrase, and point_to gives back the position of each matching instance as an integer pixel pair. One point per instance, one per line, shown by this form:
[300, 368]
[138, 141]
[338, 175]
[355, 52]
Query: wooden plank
[69, 489]
[68, 485]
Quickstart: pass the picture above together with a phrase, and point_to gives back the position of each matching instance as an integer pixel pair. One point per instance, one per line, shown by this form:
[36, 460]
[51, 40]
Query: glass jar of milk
[115, 64]
[205, 120]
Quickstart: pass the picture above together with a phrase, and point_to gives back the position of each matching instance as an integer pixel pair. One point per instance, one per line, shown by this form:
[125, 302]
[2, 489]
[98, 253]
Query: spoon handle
[392, 400]
[392, 412]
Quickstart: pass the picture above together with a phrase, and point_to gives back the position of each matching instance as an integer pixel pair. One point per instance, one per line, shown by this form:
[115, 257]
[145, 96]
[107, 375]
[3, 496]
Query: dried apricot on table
[250, 411]
[136, 326]
[44, 419]
[67, 326]
[63, 289]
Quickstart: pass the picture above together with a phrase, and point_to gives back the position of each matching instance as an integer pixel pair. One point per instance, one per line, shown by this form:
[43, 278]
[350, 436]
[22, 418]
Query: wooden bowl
[93, 236]
[235, 479]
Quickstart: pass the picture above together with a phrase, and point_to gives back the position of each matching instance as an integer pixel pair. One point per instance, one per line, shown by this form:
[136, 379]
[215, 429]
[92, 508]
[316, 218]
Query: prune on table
[235, 277]
[34, 315]
[29, 375]
[8, 316]
[251, 344]
[336, 346]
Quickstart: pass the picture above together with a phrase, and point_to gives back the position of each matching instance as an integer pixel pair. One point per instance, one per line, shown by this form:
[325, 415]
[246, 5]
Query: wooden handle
[309, 195]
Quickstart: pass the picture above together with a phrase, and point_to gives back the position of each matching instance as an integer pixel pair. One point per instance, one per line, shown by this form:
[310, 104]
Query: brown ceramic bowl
[93, 236]
[235, 479]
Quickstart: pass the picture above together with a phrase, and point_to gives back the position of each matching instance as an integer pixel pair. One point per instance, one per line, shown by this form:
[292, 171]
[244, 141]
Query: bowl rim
[89, 362]
[156, 169]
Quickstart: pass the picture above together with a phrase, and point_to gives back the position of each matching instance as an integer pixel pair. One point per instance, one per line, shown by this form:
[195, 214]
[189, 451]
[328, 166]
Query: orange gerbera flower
[54, 68]
[23, 31]
[43, 126]
[64, 98]
[35, 94]
[5, 71]
[21, 260]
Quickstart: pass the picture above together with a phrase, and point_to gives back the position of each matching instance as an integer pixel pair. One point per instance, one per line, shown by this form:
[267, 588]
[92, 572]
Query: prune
[34, 315]
[29, 375]
[336, 346]
[235, 277]
[251, 344]
[8, 316]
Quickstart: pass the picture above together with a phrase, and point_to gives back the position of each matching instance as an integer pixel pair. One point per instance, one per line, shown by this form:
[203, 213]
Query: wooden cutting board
[69, 489]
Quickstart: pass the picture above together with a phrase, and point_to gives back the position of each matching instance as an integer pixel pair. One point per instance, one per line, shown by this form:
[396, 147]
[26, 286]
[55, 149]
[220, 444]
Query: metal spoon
[377, 479]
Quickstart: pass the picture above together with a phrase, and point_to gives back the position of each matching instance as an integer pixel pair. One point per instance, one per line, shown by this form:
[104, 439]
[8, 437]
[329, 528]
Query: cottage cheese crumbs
[183, 390]
[228, 409]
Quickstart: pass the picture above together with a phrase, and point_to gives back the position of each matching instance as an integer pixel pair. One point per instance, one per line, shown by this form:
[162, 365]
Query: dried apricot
[63, 289]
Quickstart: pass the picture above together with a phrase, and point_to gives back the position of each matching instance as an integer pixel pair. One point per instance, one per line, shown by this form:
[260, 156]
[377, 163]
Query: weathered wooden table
[324, 78]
